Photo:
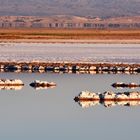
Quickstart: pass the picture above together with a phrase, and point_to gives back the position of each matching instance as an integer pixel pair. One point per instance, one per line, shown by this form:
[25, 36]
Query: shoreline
[69, 67]
[72, 41]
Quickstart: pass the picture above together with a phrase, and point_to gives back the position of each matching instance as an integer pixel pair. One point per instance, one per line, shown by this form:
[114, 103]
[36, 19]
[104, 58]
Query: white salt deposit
[25, 52]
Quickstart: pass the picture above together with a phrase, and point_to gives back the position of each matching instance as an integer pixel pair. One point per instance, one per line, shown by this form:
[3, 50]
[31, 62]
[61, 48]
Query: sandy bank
[70, 36]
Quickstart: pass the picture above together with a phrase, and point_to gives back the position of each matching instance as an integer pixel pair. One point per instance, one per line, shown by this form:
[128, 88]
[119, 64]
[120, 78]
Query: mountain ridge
[93, 8]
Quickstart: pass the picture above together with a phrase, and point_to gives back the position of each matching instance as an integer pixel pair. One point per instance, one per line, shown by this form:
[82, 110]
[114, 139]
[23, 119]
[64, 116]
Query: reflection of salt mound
[11, 87]
[39, 88]
[133, 103]
[42, 84]
[121, 103]
[11, 84]
[86, 104]
[109, 103]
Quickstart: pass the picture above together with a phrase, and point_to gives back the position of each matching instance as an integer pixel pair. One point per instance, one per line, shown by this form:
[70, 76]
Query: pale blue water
[53, 114]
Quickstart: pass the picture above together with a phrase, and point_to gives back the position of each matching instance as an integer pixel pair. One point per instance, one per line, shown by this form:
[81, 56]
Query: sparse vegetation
[68, 34]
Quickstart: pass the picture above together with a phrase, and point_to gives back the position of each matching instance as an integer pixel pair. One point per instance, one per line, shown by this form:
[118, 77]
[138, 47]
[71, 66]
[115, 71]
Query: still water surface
[52, 114]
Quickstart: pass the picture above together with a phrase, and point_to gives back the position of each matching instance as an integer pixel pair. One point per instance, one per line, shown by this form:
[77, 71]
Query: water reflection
[107, 96]
[32, 115]
[70, 71]
[121, 85]
[40, 88]
[87, 99]
[87, 104]
[11, 87]
[11, 84]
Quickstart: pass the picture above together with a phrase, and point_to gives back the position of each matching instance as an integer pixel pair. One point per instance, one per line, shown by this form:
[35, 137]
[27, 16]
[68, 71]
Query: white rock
[109, 95]
[121, 96]
[87, 94]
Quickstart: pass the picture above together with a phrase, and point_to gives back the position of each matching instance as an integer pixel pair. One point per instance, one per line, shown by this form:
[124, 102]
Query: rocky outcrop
[37, 84]
[107, 96]
[11, 82]
[86, 95]
[124, 85]
[70, 67]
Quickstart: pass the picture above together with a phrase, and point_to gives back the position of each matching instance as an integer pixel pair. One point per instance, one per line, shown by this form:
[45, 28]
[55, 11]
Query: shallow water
[53, 114]
[127, 53]
[30, 114]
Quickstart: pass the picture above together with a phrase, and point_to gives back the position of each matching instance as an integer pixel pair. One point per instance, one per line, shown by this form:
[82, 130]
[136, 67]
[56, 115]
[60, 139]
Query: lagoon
[30, 114]
[53, 114]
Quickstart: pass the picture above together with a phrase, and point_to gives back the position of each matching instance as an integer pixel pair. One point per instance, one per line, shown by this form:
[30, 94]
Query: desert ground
[70, 35]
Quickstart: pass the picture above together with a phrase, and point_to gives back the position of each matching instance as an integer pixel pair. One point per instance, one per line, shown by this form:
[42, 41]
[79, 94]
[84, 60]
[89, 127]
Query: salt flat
[50, 52]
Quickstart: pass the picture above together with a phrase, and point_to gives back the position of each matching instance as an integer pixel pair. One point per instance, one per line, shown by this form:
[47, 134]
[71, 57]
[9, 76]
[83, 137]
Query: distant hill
[91, 8]
[62, 21]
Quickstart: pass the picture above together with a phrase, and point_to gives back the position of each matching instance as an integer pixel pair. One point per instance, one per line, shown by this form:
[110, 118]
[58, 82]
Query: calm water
[128, 53]
[53, 114]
